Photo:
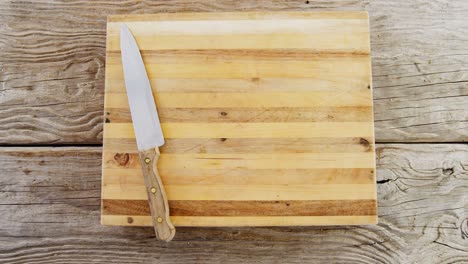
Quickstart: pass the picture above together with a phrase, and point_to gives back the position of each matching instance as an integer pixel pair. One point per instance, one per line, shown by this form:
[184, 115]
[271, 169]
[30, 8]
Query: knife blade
[148, 132]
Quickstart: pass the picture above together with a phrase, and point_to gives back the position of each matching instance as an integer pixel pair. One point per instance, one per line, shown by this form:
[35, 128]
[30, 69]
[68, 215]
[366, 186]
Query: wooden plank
[418, 66]
[246, 208]
[250, 115]
[246, 192]
[250, 100]
[419, 70]
[254, 84]
[183, 176]
[230, 22]
[233, 221]
[337, 34]
[257, 161]
[331, 43]
[250, 130]
[279, 15]
[50, 212]
[247, 145]
[348, 68]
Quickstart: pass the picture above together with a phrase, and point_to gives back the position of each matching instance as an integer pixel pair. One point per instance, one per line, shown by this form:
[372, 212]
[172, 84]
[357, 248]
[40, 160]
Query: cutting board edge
[241, 15]
[234, 15]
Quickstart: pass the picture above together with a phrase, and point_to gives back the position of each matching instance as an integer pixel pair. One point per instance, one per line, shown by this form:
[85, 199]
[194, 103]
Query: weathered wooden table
[52, 57]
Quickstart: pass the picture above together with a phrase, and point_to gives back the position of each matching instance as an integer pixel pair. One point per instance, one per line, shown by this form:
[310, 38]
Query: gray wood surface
[53, 59]
[50, 205]
[52, 62]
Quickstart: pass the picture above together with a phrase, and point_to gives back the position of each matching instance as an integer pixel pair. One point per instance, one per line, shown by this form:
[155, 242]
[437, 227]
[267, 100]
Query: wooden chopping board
[267, 117]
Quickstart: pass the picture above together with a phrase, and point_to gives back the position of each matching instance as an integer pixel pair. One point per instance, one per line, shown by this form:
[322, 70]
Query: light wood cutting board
[267, 117]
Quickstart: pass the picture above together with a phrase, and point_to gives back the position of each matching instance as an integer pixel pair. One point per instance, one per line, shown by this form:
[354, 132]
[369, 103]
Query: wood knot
[223, 139]
[107, 120]
[129, 220]
[122, 158]
[365, 143]
[255, 79]
[223, 113]
[464, 228]
[368, 86]
[448, 171]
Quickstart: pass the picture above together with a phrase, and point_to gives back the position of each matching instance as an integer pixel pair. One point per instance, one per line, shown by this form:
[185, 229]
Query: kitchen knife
[148, 131]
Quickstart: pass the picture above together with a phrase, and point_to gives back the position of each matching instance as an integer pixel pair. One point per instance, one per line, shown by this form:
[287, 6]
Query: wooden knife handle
[157, 198]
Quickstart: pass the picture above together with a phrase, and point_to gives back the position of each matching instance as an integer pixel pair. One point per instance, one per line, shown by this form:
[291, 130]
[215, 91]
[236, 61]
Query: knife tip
[123, 28]
[125, 35]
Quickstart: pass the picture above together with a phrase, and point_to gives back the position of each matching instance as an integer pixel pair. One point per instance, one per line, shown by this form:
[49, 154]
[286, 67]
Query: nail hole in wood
[464, 228]
[448, 171]
[383, 181]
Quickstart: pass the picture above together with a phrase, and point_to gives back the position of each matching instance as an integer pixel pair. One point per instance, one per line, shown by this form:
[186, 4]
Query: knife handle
[157, 198]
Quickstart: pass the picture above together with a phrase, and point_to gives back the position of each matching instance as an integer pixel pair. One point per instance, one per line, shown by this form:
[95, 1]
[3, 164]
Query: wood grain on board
[250, 63]
[51, 206]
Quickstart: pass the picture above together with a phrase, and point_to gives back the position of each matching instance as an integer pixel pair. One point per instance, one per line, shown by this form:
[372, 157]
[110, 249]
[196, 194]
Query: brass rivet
[147, 160]
[153, 190]
[159, 220]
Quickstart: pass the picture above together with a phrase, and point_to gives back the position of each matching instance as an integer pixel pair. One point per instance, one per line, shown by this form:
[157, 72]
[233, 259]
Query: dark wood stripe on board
[246, 208]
